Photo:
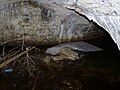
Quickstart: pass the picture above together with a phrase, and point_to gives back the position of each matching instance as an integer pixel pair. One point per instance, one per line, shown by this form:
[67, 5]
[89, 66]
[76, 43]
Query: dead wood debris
[14, 58]
[20, 58]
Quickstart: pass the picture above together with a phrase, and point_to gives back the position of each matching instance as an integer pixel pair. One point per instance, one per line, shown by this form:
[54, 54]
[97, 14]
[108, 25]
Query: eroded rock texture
[43, 23]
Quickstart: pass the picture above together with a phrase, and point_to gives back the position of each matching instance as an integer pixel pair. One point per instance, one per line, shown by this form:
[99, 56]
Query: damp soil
[95, 71]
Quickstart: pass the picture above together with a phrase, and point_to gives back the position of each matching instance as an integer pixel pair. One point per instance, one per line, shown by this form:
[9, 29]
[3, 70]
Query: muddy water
[95, 71]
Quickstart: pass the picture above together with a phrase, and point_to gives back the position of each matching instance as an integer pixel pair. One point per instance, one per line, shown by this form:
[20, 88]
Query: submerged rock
[67, 51]
[43, 23]
[65, 54]
[79, 46]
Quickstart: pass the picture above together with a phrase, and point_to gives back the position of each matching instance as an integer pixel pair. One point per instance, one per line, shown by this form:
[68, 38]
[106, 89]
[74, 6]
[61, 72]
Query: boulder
[43, 23]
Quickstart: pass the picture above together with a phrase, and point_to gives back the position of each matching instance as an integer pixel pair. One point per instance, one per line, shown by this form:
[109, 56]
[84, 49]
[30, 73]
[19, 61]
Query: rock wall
[43, 22]
[106, 13]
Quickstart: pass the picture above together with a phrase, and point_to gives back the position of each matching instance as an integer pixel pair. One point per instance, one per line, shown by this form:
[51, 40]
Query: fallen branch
[15, 57]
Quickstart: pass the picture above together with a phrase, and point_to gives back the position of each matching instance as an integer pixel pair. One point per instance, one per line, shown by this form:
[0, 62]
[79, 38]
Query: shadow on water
[95, 71]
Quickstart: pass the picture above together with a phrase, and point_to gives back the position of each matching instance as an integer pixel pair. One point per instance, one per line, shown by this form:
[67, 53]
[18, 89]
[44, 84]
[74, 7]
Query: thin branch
[15, 57]
[11, 54]
[12, 40]
[14, 48]
[23, 43]
[3, 51]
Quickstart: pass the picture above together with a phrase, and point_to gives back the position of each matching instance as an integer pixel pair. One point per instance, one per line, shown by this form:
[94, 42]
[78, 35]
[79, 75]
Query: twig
[12, 40]
[3, 51]
[15, 57]
[15, 48]
[27, 57]
[23, 42]
[30, 62]
[35, 57]
[11, 54]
